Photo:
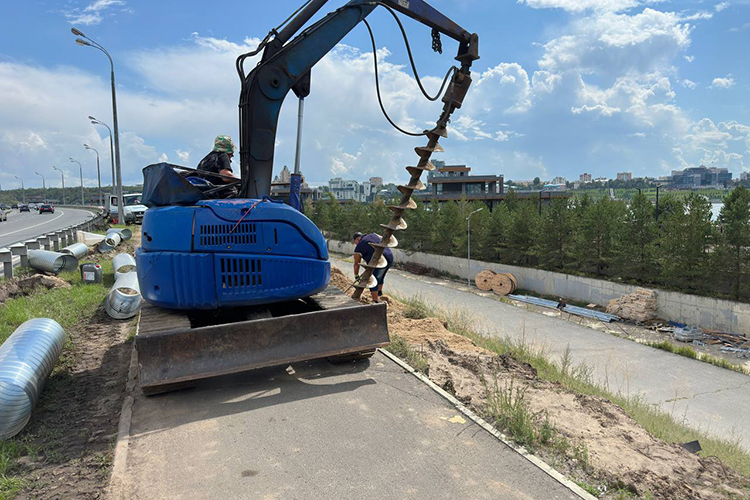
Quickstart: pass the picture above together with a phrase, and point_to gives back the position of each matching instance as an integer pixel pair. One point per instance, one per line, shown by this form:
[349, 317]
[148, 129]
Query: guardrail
[50, 241]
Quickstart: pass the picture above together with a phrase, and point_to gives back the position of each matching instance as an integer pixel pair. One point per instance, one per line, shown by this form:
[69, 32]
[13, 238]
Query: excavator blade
[174, 351]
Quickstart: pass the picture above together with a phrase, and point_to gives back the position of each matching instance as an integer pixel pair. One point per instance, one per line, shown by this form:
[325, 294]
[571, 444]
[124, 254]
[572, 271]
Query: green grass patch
[689, 352]
[401, 348]
[579, 379]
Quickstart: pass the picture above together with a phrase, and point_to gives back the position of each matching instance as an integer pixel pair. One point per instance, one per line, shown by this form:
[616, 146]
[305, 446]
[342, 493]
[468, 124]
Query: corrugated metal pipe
[125, 233]
[110, 242]
[52, 262]
[123, 263]
[26, 360]
[124, 300]
[77, 250]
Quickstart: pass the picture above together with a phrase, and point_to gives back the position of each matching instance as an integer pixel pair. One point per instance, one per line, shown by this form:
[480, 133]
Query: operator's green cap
[224, 144]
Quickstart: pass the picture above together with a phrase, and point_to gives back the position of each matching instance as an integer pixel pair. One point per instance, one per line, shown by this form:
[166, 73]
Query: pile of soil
[621, 453]
[18, 287]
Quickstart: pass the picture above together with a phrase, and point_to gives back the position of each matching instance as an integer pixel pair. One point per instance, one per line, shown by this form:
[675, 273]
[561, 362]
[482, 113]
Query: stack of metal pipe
[78, 250]
[113, 238]
[122, 264]
[124, 299]
[26, 360]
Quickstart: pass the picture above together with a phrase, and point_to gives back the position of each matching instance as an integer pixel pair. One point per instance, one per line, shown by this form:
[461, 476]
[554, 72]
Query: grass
[689, 352]
[579, 379]
[401, 348]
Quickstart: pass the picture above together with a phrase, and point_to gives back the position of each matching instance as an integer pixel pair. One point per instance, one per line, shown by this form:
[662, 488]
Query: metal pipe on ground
[77, 250]
[125, 233]
[52, 262]
[110, 242]
[124, 300]
[26, 360]
[122, 264]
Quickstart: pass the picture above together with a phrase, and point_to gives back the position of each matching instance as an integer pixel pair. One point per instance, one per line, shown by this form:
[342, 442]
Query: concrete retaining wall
[704, 312]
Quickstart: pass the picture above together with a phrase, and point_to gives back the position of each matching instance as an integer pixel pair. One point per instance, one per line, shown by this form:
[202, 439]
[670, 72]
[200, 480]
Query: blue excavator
[240, 283]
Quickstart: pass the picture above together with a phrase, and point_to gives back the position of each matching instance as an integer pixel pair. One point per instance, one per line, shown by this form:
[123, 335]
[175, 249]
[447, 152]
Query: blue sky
[562, 87]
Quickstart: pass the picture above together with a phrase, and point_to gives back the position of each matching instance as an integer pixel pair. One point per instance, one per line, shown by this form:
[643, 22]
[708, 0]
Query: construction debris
[688, 334]
[578, 311]
[639, 306]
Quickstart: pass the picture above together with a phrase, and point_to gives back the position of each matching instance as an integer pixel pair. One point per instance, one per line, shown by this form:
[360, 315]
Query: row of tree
[679, 247]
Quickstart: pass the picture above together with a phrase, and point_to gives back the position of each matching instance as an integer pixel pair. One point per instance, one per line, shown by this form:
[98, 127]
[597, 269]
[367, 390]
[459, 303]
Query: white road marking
[37, 225]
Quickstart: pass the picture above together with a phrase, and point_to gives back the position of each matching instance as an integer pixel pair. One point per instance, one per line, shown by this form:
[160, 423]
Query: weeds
[689, 352]
[401, 348]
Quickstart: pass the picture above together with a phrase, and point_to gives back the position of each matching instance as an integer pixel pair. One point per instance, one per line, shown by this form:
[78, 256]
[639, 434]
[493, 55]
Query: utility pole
[23, 191]
[468, 245]
[62, 175]
[80, 170]
[88, 42]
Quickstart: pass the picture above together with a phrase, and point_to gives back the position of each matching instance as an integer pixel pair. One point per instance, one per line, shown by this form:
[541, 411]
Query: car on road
[4, 207]
[24, 208]
[46, 207]
[14, 206]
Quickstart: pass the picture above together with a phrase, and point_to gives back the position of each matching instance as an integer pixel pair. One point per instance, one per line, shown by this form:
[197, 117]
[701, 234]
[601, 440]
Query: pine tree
[733, 251]
[522, 232]
[637, 241]
[596, 234]
[553, 235]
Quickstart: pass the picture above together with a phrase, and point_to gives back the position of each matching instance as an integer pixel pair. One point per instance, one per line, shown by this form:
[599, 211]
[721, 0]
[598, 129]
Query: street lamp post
[62, 175]
[44, 186]
[94, 121]
[91, 43]
[657, 200]
[80, 170]
[98, 174]
[468, 245]
[23, 191]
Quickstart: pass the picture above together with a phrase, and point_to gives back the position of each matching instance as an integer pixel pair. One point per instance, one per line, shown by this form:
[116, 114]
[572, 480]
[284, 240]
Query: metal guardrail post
[44, 242]
[32, 245]
[54, 241]
[62, 238]
[72, 235]
[20, 250]
[7, 259]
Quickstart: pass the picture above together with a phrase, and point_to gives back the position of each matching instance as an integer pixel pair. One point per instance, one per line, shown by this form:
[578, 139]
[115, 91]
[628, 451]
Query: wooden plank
[156, 320]
[333, 298]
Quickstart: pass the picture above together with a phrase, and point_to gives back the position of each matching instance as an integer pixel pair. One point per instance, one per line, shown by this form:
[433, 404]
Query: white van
[132, 208]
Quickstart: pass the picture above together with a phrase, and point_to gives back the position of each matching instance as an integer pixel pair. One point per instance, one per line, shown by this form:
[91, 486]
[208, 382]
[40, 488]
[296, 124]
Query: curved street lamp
[23, 191]
[98, 174]
[83, 40]
[44, 186]
[63, 181]
[94, 121]
[80, 169]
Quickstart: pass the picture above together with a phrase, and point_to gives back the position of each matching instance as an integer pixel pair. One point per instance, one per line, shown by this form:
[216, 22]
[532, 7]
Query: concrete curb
[118, 480]
[573, 487]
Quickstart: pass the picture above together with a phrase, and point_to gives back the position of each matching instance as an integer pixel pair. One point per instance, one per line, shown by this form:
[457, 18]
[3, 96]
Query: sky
[562, 87]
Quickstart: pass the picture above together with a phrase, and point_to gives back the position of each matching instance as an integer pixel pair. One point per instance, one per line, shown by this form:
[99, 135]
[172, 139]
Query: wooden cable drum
[504, 284]
[515, 282]
[484, 280]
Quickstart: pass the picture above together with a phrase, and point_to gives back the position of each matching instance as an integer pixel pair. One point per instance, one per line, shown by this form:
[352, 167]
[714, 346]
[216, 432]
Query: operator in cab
[219, 161]
[363, 251]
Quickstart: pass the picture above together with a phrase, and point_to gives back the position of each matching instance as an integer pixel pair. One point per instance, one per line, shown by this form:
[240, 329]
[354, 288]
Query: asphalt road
[22, 226]
[707, 397]
[365, 430]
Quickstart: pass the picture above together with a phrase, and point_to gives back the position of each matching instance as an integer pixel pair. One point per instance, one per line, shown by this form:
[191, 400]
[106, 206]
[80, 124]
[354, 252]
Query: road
[709, 398]
[22, 226]
[366, 430]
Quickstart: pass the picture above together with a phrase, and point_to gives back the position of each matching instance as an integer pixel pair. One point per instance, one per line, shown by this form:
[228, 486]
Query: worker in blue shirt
[363, 251]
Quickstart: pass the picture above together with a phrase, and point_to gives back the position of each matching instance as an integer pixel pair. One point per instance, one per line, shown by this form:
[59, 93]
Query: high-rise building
[584, 177]
[624, 176]
[376, 182]
[701, 176]
[559, 180]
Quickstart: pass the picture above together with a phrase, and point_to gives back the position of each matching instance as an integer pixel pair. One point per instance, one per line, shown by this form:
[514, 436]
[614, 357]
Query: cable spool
[484, 279]
[504, 284]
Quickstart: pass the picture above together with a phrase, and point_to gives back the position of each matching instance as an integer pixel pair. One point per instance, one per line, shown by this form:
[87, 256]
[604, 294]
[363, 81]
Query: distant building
[343, 189]
[745, 176]
[453, 182]
[696, 177]
[584, 178]
[624, 176]
[601, 179]
[376, 182]
[281, 186]
[559, 180]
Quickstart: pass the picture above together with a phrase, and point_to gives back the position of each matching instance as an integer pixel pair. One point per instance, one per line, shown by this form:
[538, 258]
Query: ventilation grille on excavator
[222, 234]
[240, 273]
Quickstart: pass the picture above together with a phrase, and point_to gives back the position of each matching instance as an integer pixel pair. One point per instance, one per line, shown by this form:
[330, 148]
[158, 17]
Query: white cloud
[723, 83]
[689, 58]
[184, 156]
[92, 14]
[721, 6]
[581, 5]
[688, 84]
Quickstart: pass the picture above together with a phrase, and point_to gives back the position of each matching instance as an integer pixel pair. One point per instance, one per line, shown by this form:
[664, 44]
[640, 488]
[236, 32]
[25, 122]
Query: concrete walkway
[709, 398]
[364, 430]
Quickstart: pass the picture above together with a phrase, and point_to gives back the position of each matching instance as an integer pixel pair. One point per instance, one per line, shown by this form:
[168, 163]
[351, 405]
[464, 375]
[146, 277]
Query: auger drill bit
[452, 100]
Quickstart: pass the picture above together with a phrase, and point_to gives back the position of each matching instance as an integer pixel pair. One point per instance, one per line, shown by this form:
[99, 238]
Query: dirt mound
[24, 286]
[620, 452]
[339, 280]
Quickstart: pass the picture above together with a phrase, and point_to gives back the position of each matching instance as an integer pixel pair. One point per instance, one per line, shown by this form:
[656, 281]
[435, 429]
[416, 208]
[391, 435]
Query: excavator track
[452, 100]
